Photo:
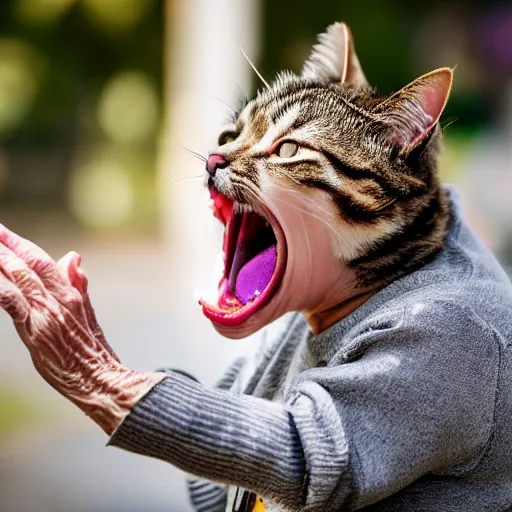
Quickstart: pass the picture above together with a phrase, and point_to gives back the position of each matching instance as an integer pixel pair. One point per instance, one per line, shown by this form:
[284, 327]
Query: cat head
[319, 177]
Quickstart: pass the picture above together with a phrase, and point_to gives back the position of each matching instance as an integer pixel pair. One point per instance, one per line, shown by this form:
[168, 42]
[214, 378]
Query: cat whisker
[226, 104]
[448, 124]
[302, 198]
[248, 189]
[182, 178]
[253, 66]
[308, 242]
[194, 153]
[313, 204]
[310, 214]
[243, 96]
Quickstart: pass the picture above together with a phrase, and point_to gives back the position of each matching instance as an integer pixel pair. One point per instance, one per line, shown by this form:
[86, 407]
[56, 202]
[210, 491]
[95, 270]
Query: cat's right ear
[333, 59]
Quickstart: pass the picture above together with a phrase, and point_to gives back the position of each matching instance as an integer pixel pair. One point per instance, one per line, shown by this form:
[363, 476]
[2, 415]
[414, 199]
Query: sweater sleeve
[205, 495]
[414, 398]
[238, 440]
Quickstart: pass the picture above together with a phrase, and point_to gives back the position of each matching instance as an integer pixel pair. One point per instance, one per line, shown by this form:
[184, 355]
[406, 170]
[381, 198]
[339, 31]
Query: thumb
[69, 266]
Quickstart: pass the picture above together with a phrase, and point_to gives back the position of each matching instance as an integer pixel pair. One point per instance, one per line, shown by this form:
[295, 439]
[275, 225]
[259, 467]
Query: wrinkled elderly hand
[51, 310]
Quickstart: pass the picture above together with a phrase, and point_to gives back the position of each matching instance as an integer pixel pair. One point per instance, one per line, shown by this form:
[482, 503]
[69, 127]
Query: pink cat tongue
[255, 275]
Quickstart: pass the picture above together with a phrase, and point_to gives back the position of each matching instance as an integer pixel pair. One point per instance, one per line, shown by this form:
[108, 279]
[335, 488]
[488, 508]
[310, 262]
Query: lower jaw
[243, 321]
[253, 325]
[248, 324]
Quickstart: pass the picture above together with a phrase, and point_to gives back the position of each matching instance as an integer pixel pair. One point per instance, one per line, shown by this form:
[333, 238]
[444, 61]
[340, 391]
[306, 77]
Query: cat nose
[215, 162]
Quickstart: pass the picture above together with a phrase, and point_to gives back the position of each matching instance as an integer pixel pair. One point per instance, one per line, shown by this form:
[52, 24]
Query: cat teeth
[242, 208]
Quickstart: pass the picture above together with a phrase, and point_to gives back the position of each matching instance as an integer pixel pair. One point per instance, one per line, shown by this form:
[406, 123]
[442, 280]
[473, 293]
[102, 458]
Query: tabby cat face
[322, 184]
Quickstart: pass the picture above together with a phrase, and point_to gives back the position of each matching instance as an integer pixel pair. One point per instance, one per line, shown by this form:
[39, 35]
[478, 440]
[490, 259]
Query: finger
[38, 261]
[43, 265]
[70, 266]
[12, 301]
[77, 299]
[19, 274]
[29, 252]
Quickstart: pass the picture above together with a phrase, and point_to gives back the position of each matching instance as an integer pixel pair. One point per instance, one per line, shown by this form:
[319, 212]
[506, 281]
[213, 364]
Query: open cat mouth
[254, 261]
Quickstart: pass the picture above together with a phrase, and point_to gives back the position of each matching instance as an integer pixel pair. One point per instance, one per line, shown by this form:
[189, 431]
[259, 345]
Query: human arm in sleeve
[418, 398]
[205, 495]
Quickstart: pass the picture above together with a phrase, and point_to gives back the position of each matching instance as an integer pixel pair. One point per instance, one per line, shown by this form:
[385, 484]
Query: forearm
[240, 440]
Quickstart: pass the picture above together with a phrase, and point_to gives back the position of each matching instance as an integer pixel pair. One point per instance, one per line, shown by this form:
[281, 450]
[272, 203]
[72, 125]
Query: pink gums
[253, 277]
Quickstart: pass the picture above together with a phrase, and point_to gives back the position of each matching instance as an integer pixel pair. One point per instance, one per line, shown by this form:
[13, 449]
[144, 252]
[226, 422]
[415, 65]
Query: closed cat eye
[287, 149]
[227, 137]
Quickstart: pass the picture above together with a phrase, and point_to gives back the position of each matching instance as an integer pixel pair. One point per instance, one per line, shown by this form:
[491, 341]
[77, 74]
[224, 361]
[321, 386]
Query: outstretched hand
[51, 310]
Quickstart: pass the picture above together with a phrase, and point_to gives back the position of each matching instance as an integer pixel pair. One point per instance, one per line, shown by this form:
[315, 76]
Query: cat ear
[334, 59]
[414, 111]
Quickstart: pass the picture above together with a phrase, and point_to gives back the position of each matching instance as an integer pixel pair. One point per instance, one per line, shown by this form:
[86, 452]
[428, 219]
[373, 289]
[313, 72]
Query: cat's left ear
[413, 112]
[333, 59]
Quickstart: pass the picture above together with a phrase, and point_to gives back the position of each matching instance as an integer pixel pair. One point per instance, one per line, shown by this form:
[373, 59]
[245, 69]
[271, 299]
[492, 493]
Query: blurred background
[98, 99]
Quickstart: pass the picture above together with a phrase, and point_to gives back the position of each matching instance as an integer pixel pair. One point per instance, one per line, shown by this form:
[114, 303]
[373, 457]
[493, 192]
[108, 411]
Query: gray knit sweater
[405, 404]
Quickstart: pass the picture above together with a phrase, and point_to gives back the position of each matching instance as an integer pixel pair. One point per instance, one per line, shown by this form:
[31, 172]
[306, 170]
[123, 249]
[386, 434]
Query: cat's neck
[403, 253]
[320, 321]
[418, 241]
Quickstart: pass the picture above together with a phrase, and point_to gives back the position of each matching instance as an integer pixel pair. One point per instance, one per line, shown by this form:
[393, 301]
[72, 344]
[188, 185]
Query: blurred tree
[71, 49]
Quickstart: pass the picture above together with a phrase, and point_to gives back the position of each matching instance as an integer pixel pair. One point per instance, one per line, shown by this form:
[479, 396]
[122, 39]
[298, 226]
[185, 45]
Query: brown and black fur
[364, 139]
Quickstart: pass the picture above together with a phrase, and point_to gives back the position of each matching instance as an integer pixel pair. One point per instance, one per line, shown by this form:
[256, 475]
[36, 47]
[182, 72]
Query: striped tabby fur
[375, 158]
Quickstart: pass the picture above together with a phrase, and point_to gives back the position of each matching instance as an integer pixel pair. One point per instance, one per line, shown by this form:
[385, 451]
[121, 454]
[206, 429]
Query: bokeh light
[101, 192]
[128, 107]
[18, 82]
[42, 11]
[118, 15]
